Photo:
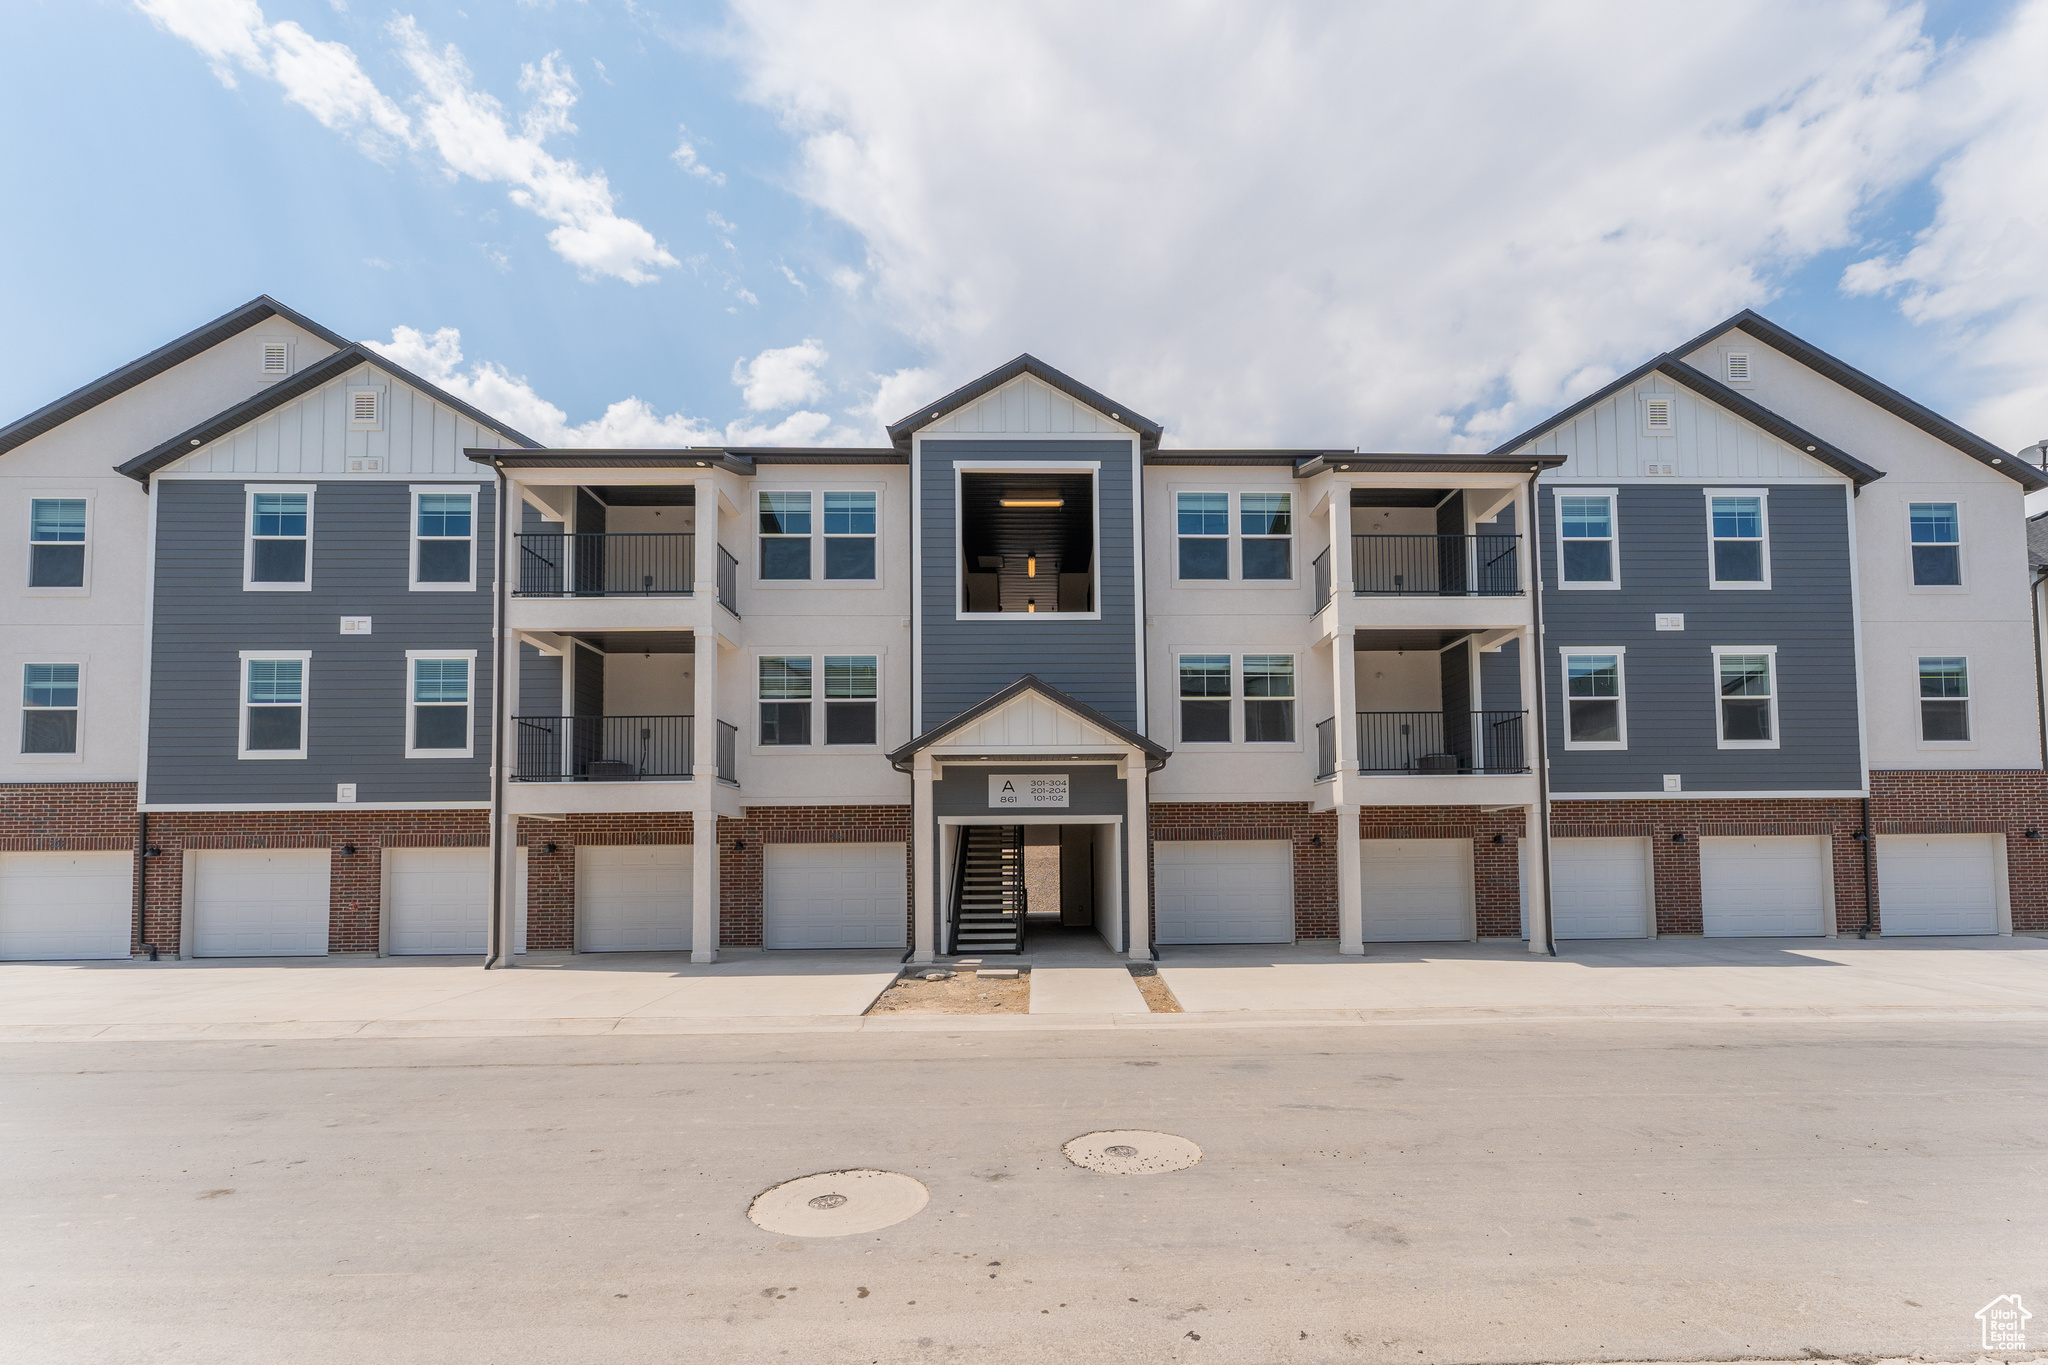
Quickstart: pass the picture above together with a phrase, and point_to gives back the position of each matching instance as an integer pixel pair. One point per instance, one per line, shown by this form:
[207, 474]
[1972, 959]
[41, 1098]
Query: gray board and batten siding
[358, 688]
[1092, 789]
[1671, 687]
[964, 662]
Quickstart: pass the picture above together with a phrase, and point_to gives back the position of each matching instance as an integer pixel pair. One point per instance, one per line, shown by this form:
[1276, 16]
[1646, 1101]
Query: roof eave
[1148, 430]
[1157, 753]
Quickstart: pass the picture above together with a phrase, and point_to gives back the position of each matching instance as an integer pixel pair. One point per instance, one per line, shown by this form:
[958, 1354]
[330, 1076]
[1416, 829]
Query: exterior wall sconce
[1860, 837]
[2033, 834]
[547, 848]
[152, 852]
[348, 850]
[739, 845]
[1500, 838]
[1678, 838]
[1316, 842]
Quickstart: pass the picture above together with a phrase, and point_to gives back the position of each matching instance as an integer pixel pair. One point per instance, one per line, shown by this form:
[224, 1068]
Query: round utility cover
[838, 1203]
[1132, 1151]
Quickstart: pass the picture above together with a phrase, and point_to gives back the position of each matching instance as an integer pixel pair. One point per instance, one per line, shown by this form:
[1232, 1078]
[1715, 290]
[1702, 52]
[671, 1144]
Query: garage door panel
[260, 903]
[1224, 890]
[66, 906]
[1772, 887]
[1937, 884]
[633, 898]
[1416, 890]
[438, 900]
[834, 896]
[1600, 887]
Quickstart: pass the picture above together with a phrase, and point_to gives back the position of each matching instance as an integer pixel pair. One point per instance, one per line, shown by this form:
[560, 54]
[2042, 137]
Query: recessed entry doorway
[1008, 886]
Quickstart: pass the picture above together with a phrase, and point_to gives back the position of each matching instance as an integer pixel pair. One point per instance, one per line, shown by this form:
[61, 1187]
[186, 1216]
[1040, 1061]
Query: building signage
[1027, 791]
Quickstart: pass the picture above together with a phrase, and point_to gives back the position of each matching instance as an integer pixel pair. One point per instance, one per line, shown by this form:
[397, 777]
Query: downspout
[1865, 837]
[500, 954]
[1542, 708]
[2040, 696]
[142, 883]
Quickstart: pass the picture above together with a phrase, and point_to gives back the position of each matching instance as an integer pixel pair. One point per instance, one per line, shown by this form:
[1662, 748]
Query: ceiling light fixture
[1031, 605]
[1031, 565]
[1034, 502]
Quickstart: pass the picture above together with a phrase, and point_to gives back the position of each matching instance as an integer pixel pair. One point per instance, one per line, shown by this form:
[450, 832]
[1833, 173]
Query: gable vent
[277, 357]
[363, 408]
[1738, 367]
[1657, 414]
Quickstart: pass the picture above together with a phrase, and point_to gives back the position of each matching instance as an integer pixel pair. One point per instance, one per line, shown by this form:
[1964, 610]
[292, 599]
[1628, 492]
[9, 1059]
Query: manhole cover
[838, 1203]
[1132, 1151]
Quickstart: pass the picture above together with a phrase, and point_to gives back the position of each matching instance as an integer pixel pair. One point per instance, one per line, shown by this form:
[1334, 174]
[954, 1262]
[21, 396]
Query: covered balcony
[615, 556]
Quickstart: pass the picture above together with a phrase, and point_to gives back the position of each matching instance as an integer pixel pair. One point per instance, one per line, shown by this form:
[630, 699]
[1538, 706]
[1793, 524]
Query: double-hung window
[1212, 685]
[1204, 535]
[443, 540]
[1205, 693]
[1595, 706]
[1738, 540]
[1265, 523]
[1269, 699]
[848, 686]
[1937, 529]
[279, 552]
[56, 542]
[1746, 704]
[438, 695]
[849, 536]
[785, 699]
[850, 699]
[785, 536]
[274, 704]
[49, 708]
[1586, 544]
[1945, 700]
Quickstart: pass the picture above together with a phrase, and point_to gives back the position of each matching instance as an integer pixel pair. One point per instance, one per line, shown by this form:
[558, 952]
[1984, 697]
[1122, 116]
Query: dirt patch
[962, 994]
[1158, 995]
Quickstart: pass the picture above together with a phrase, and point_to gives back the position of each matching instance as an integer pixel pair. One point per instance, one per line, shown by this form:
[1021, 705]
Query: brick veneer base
[1315, 866]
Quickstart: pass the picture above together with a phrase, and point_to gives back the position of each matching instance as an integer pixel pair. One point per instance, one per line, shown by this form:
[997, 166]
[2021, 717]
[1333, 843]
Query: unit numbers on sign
[1027, 790]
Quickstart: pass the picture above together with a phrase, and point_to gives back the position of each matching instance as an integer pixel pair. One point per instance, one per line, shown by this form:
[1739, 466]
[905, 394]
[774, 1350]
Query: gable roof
[53, 415]
[1148, 430]
[305, 381]
[1742, 405]
[1030, 682]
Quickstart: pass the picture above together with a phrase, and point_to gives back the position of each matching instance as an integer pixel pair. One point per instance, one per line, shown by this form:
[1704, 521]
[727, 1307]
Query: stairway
[988, 890]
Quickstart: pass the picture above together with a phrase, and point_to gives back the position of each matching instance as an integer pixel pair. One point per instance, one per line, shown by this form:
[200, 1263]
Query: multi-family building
[316, 658]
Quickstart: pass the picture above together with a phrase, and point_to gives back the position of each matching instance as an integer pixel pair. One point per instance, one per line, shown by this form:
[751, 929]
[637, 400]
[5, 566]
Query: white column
[1537, 828]
[923, 859]
[704, 799]
[1138, 871]
[1350, 885]
[1340, 539]
[506, 841]
[1344, 673]
[704, 566]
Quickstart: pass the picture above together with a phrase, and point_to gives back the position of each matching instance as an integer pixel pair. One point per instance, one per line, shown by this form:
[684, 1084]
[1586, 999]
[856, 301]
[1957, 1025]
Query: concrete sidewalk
[653, 993]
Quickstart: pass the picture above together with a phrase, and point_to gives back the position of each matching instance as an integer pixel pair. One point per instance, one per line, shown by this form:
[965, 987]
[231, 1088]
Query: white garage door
[833, 896]
[1764, 888]
[1937, 883]
[439, 900]
[1224, 890]
[632, 898]
[259, 902]
[1601, 887]
[1417, 890]
[65, 905]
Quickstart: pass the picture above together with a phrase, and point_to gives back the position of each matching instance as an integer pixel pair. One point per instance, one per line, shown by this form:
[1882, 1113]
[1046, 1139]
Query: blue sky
[1292, 223]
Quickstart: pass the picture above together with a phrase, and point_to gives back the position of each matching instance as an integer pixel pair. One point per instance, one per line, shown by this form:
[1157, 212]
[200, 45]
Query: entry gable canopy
[1031, 714]
[1148, 430]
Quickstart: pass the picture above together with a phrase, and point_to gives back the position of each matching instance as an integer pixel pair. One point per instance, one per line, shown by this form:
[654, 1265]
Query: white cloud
[323, 78]
[376, 262]
[628, 423]
[794, 282]
[685, 155]
[1393, 228]
[781, 378]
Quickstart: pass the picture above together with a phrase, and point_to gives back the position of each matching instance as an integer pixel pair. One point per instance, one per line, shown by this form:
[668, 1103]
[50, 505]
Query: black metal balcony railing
[1321, 567]
[728, 753]
[1439, 742]
[1435, 566]
[630, 564]
[604, 748]
[728, 583]
[1326, 748]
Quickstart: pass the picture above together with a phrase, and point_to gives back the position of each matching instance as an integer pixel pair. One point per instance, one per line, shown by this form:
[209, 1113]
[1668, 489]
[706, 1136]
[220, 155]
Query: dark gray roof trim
[1798, 437]
[277, 395]
[1283, 458]
[1030, 682]
[819, 455]
[1342, 462]
[1148, 430]
[164, 357]
[678, 457]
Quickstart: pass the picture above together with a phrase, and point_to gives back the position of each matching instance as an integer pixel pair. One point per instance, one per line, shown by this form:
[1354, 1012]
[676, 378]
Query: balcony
[1433, 566]
[606, 748]
[633, 564]
[728, 753]
[1440, 743]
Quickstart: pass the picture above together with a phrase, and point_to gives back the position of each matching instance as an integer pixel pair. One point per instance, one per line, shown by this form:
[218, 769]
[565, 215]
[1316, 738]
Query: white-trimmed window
[274, 690]
[57, 529]
[443, 538]
[1203, 529]
[277, 554]
[1945, 700]
[1937, 532]
[50, 710]
[1738, 538]
[1746, 696]
[1595, 698]
[792, 686]
[785, 536]
[1588, 549]
[1261, 524]
[849, 537]
[439, 688]
[1248, 698]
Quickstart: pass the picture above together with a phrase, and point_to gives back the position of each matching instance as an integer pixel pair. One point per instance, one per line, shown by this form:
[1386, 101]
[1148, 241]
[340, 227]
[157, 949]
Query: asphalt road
[1413, 1194]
